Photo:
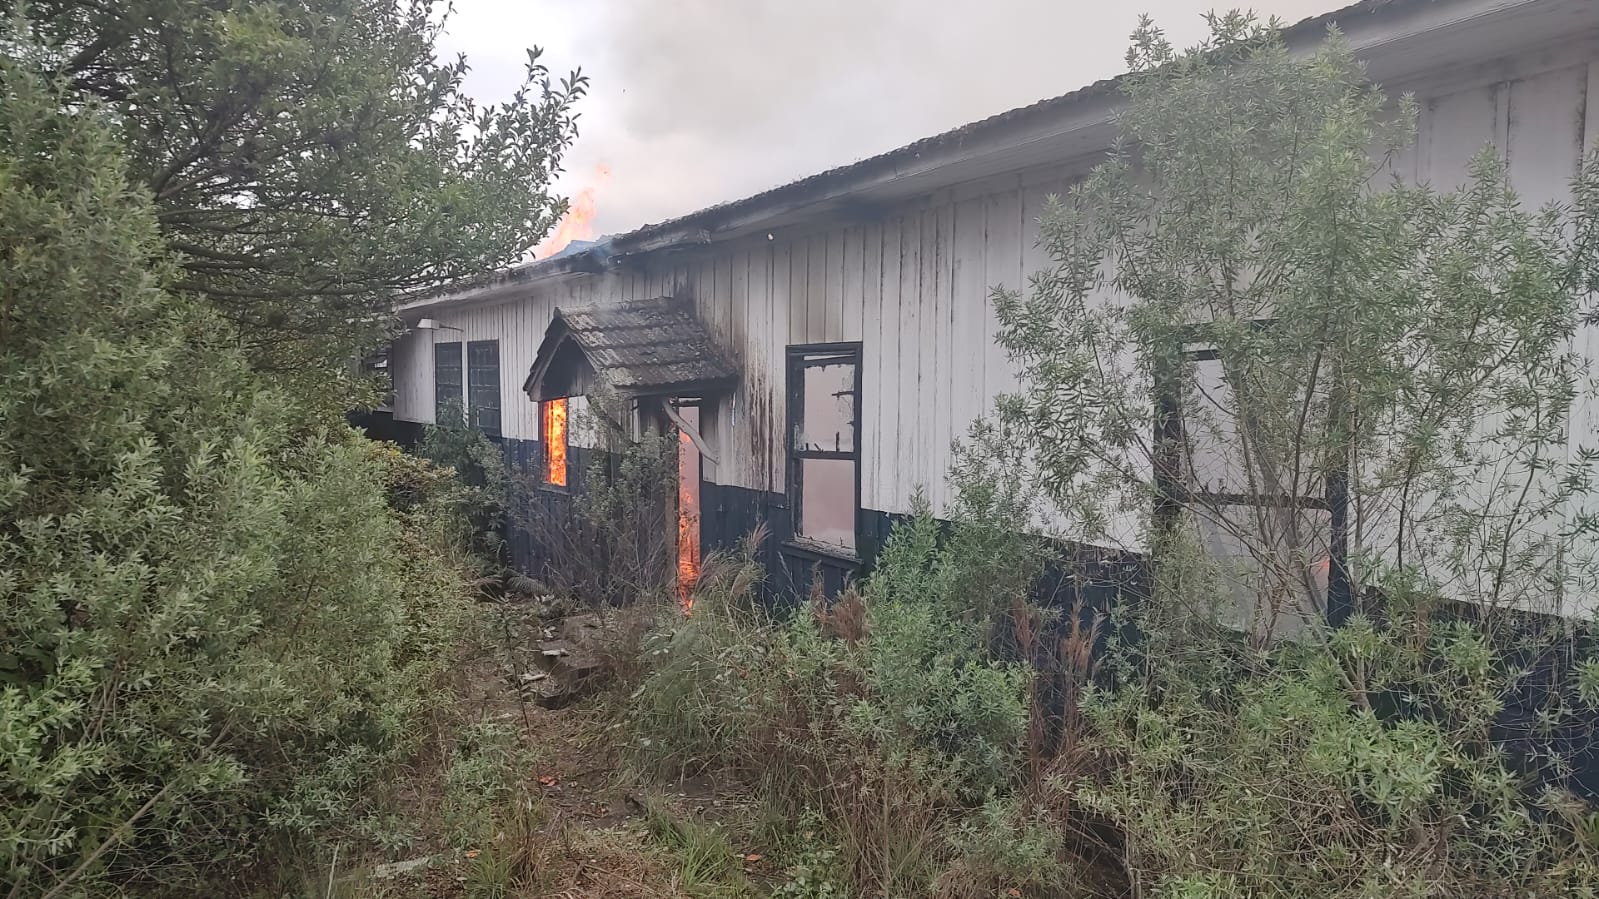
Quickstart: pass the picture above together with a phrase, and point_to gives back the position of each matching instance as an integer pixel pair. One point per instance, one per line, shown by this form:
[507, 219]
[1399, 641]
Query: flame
[578, 222]
[688, 522]
[555, 442]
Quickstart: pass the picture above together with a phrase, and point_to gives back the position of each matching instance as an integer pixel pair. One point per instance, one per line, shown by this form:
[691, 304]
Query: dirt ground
[597, 829]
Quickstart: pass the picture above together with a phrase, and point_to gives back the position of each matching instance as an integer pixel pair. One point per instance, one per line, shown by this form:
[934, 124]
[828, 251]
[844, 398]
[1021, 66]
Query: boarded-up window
[447, 386]
[824, 436]
[555, 445]
[483, 385]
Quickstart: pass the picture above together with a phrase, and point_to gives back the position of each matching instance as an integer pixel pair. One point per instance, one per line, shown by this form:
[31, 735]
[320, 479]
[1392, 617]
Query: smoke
[697, 102]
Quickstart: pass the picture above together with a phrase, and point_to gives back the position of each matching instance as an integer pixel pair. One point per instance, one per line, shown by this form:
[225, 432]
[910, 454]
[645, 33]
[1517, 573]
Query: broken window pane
[827, 422]
[1271, 565]
[827, 501]
[825, 475]
[1216, 462]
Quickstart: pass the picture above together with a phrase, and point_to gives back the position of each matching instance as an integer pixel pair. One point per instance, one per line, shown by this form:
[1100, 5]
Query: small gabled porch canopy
[640, 348]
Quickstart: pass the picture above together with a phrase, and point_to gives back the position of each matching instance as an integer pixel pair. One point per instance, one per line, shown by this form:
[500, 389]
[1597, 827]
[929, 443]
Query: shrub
[614, 539]
[482, 486]
[488, 764]
[213, 629]
[884, 710]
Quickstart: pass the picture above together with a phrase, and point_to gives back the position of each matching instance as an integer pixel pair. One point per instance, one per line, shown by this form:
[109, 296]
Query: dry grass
[580, 824]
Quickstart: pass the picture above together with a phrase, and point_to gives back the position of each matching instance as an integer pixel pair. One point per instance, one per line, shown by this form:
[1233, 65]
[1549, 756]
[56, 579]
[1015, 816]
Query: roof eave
[1073, 126]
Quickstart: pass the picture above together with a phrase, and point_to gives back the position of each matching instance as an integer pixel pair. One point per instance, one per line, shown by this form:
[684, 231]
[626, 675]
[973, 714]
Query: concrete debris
[400, 869]
[571, 661]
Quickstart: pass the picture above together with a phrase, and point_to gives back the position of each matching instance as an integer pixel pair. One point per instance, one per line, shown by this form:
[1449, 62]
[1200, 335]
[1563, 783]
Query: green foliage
[884, 711]
[488, 765]
[706, 867]
[311, 159]
[482, 481]
[1413, 344]
[1006, 846]
[214, 631]
[813, 871]
[1287, 788]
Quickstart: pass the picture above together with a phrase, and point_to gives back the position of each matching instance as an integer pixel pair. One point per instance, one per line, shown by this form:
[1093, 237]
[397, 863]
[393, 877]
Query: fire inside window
[555, 442]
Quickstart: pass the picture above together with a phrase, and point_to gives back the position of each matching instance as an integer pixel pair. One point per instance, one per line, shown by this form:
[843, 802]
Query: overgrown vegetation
[215, 629]
[1395, 705]
[310, 159]
[482, 480]
[224, 616]
[612, 539]
[885, 714]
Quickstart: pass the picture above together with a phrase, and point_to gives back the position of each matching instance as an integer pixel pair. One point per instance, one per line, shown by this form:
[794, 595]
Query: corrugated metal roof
[640, 347]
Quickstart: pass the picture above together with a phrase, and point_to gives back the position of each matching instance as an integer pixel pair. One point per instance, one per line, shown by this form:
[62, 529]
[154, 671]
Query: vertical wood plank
[1456, 127]
[926, 400]
[969, 300]
[908, 452]
[816, 290]
[889, 324]
[853, 285]
[798, 293]
[739, 299]
[790, 277]
[1545, 137]
[838, 260]
[777, 311]
[1002, 269]
[948, 364]
[870, 331]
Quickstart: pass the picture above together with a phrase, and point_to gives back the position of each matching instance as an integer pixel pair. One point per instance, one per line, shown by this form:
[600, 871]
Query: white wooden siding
[912, 284]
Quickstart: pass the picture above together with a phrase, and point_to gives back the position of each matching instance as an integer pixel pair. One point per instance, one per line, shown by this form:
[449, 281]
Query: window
[483, 385]
[555, 442]
[375, 366]
[446, 380]
[824, 442]
[1270, 526]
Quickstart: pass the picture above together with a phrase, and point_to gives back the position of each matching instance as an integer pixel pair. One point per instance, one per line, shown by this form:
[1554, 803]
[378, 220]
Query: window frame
[799, 357]
[1172, 469]
[440, 352]
[493, 382]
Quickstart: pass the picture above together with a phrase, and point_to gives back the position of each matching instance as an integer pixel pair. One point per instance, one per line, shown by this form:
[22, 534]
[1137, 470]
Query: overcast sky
[696, 102]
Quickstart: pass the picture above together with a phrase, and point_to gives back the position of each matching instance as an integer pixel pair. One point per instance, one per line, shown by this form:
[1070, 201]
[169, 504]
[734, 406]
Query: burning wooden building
[820, 345]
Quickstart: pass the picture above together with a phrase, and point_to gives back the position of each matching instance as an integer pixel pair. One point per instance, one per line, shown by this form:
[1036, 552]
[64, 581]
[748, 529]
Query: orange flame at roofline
[578, 222]
[688, 522]
[555, 442]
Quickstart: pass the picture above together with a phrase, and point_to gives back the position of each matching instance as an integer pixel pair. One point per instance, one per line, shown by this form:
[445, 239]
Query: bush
[930, 676]
[883, 710]
[213, 628]
[613, 541]
[1283, 783]
[482, 484]
[488, 765]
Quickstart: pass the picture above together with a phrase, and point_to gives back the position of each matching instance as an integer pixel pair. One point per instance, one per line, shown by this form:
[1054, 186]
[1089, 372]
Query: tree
[1336, 410]
[311, 159]
[1245, 268]
[213, 631]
